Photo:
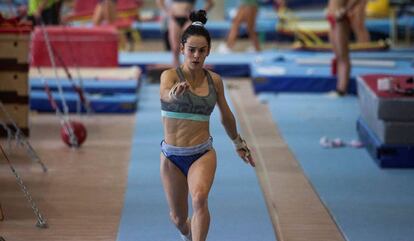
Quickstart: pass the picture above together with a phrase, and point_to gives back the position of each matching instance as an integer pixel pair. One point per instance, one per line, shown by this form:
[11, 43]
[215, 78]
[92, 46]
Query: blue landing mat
[229, 65]
[368, 203]
[90, 85]
[113, 103]
[282, 72]
[248, 64]
[382, 26]
[237, 207]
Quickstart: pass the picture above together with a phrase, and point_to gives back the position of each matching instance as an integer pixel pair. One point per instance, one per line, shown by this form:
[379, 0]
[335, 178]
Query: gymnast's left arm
[229, 123]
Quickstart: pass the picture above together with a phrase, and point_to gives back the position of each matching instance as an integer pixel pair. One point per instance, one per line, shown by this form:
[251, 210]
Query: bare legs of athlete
[198, 184]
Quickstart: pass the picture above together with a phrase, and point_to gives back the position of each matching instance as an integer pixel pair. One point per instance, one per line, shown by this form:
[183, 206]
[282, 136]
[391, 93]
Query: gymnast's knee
[200, 201]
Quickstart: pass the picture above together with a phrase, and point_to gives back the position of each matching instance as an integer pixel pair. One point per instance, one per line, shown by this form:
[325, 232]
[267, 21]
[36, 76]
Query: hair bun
[199, 16]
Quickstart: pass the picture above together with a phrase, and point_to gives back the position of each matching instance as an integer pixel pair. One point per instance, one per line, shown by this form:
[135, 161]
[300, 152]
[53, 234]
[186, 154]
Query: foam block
[384, 105]
[389, 132]
[288, 76]
[386, 156]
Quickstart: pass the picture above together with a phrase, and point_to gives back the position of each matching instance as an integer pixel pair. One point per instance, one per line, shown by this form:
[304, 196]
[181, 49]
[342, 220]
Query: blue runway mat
[238, 211]
[368, 203]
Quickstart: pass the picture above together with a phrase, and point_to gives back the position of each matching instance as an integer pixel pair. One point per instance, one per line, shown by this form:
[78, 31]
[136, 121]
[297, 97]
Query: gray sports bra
[185, 1]
[189, 105]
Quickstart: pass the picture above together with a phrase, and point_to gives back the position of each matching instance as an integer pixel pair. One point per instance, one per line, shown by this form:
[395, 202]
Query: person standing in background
[178, 19]
[44, 11]
[339, 20]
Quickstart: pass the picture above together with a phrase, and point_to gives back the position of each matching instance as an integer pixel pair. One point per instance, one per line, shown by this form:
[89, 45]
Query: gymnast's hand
[178, 89]
[243, 150]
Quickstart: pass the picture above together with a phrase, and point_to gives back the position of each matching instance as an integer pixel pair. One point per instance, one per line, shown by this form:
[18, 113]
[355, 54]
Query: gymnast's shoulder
[216, 77]
[169, 75]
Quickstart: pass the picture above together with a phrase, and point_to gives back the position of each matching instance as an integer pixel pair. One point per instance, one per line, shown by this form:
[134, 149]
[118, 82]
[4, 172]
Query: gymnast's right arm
[170, 87]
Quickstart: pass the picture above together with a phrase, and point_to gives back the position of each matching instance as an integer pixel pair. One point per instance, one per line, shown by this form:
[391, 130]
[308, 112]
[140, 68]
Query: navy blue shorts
[184, 157]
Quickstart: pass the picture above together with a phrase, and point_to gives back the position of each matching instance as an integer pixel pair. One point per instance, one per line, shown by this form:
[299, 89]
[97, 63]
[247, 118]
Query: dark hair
[195, 29]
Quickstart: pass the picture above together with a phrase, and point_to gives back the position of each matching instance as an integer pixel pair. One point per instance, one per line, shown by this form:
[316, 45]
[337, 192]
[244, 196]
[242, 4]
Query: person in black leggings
[178, 19]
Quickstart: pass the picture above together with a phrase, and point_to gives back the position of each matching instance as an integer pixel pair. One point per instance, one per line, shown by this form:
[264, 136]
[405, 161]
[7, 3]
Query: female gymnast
[188, 95]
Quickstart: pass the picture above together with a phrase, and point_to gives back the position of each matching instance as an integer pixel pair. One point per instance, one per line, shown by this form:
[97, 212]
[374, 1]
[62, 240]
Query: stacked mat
[109, 90]
[305, 71]
[386, 125]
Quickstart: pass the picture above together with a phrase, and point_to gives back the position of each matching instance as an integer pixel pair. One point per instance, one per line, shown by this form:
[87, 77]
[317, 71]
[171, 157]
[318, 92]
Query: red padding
[371, 81]
[75, 46]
